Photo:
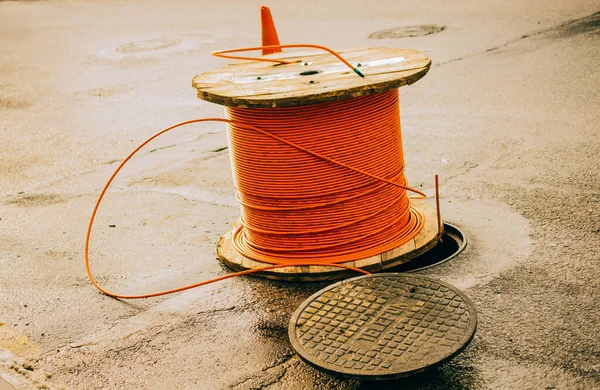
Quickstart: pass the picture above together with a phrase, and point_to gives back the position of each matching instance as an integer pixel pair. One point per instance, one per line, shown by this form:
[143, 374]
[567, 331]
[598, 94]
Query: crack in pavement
[269, 375]
[592, 20]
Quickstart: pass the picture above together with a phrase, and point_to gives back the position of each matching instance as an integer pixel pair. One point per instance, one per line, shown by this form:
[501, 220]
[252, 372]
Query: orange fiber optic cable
[299, 207]
[321, 184]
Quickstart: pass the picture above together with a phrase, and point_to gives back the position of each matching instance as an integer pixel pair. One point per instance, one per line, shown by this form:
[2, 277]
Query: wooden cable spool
[315, 77]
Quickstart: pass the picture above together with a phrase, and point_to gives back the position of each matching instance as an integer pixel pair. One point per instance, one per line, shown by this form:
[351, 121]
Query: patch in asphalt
[591, 24]
[12, 97]
[37, 200]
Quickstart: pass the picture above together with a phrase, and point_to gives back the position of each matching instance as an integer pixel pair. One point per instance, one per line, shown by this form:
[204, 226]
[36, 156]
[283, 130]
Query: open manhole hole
[407, 31]
[453, 243]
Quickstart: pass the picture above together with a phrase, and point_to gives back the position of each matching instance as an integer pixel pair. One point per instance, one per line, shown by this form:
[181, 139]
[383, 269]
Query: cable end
[358, 72]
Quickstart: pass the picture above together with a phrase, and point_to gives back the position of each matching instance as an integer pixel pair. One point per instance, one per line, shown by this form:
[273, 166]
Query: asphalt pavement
[507, 116]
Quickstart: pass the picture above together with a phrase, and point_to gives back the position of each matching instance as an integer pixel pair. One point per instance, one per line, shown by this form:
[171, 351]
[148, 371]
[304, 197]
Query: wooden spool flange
[259, 84]
[424, 241]
[315, 77]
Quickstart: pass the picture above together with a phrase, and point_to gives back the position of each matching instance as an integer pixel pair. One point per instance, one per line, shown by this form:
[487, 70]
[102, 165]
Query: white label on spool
[386, 61]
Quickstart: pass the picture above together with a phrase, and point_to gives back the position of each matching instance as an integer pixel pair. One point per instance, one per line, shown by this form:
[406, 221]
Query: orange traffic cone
[269, 34]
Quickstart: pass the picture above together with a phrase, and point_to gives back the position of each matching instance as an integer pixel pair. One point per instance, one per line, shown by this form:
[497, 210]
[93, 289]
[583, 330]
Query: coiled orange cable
[318, 185]
[299, 207]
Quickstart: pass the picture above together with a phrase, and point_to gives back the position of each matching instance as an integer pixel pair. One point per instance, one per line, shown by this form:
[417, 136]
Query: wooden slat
[238, 84]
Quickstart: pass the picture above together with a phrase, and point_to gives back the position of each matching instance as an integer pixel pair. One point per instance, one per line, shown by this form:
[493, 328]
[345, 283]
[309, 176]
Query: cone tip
[269, 32]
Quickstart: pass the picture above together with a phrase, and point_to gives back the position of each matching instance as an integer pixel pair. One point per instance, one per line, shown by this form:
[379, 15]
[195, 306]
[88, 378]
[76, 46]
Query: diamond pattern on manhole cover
[382, 326]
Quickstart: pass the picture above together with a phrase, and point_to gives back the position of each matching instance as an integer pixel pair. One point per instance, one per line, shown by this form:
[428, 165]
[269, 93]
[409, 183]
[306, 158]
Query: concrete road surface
[508, 116]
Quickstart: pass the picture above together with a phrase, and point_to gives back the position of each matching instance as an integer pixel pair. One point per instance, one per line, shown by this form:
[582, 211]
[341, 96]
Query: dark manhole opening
[453, 242]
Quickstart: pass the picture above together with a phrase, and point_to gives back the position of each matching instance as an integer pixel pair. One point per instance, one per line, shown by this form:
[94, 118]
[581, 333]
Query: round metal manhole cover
[407, 31]
[148, 45]
[382, 326]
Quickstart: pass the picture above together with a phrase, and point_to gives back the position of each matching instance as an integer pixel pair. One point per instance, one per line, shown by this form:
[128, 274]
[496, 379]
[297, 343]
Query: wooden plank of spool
[424, 241]
[313, 77]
